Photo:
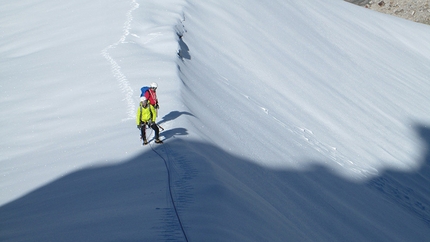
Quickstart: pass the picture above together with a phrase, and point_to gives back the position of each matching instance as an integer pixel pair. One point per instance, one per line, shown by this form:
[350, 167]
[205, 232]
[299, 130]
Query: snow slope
[288, 120]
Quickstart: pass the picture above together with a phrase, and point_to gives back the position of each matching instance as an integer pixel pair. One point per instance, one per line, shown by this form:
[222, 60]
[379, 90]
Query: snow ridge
[123, 83]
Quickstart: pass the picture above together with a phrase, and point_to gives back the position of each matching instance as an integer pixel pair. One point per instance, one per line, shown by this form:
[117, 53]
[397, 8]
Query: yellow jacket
[143, 115]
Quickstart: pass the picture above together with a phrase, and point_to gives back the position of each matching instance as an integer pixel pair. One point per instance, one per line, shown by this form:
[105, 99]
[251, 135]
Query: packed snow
[296, 120]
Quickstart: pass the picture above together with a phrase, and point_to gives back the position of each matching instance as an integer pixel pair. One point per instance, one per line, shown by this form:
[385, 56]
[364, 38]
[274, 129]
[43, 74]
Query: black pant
[153, 126]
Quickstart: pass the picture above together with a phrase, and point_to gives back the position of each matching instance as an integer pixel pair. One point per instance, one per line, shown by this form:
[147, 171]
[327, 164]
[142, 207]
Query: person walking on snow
[147, 113]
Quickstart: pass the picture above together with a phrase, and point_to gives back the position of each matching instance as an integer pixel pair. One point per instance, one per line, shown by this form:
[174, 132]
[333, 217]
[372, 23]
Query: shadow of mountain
[110, 203]
[220, 197]
[407, 191]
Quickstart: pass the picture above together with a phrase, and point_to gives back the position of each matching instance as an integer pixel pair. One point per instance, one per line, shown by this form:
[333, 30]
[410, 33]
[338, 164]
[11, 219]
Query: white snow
[290, 120]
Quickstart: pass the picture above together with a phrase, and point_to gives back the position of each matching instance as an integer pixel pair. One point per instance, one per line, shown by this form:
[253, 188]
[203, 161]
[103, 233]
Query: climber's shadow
[173, 115]
[176, 131]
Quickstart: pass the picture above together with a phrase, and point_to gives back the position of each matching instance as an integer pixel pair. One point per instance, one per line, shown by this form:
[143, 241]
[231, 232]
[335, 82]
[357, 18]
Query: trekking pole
[162, 129]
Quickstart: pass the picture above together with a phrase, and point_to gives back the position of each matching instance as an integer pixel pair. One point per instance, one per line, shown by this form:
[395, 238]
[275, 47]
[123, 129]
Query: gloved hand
[138, 126]
[157, 106]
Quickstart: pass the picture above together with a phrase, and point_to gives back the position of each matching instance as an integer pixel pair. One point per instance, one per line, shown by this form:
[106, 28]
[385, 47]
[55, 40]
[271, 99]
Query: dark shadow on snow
[173, 132]
[184, 51]
[172, 116]
[409, 191]
[220, 197]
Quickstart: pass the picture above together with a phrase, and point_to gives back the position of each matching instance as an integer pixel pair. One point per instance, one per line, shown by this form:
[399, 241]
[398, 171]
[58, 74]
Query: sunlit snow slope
[309, 80]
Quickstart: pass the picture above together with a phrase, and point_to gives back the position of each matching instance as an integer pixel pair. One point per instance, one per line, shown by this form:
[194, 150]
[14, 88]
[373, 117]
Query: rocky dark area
[414, 10]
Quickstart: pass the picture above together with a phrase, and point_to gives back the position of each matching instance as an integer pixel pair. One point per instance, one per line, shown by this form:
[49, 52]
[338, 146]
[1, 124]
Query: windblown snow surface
[296, 120]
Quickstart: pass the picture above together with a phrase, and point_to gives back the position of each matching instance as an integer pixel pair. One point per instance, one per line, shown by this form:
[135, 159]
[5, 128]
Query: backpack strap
[140, 118]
